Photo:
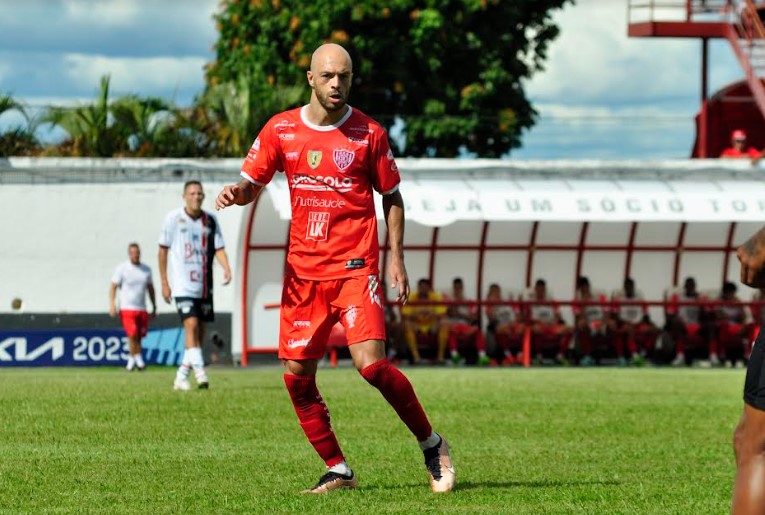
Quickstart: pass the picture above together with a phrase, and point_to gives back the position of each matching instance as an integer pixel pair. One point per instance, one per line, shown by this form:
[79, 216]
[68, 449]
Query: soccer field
[524, 441]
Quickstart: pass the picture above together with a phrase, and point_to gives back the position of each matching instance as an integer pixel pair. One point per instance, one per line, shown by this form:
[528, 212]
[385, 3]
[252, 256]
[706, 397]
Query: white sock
[130, 363]
[139, 360]
[194, 355]
[341, 468]
[433, 440]
[183, 370]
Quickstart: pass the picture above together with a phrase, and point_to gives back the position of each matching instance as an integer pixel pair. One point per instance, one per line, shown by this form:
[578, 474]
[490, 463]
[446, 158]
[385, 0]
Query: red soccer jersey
[732, 152]
[331, 172]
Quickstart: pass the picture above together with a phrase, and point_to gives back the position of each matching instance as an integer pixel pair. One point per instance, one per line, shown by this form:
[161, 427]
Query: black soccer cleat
[204, 386]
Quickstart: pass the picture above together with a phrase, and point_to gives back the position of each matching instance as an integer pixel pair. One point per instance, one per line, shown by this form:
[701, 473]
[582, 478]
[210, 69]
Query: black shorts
[754, 386]
[200, 308]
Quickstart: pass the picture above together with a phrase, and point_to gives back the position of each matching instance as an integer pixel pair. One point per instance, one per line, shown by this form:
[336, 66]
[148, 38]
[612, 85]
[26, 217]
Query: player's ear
[310, 78]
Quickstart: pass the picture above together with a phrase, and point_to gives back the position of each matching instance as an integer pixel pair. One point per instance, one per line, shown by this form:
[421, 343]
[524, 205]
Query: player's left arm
[393, 208]
[152, 299]
[223, 260]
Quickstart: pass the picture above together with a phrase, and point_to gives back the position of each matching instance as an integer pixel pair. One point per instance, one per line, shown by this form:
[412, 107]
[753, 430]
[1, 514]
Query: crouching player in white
[192, 238]
[133, 279]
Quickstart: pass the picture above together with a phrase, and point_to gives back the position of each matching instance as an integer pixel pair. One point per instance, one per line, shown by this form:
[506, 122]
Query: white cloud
[111, 13]
[150, 75]
[593, 61]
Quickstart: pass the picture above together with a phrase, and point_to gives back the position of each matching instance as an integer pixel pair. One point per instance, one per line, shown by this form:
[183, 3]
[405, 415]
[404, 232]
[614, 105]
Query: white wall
[59, 243]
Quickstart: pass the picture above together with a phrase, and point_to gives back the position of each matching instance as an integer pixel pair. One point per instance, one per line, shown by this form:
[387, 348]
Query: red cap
[738, 134]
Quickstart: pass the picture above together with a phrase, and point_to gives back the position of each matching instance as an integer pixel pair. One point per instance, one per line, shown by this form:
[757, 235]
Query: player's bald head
[330, 53]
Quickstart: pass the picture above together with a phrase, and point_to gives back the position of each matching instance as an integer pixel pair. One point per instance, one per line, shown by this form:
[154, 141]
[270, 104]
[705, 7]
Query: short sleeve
[219, 243]
[117, 275]
[263, 160]
[385, 176]
[168, 231]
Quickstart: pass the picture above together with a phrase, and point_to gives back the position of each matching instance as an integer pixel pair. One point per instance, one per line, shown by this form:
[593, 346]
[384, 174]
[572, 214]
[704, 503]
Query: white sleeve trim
[256, 183]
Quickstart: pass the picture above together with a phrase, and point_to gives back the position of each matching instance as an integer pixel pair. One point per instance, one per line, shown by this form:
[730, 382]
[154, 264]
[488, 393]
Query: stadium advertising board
[85, 347]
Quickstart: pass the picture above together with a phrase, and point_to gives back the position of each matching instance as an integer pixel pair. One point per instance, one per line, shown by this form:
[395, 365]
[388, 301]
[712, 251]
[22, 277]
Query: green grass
[524, 441]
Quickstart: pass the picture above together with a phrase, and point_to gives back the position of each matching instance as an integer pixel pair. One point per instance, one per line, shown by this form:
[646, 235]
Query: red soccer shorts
[136, 323]
[311, 308]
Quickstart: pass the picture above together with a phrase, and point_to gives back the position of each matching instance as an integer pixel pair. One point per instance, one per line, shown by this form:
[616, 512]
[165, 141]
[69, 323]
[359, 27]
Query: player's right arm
[162, 258]
[112, 300]
[751, 255]
[239, 194]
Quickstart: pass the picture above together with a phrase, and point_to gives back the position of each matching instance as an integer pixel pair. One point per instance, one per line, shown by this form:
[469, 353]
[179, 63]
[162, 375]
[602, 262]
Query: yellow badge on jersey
[314, 158]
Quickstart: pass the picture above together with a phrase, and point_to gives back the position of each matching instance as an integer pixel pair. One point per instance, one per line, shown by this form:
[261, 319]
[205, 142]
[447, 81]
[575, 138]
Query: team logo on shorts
[314, 158]
[350, 315]
[343, 158]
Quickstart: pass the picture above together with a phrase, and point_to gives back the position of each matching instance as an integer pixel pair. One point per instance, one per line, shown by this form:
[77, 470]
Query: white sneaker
[182, 384]
[714, 360]
[679, 361]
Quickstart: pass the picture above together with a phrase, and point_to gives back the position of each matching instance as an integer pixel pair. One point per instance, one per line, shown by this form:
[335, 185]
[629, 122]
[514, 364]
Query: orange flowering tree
[451, 71]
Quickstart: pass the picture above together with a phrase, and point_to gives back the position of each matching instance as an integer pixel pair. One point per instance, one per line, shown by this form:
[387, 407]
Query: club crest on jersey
[314, 158]
[343, 158]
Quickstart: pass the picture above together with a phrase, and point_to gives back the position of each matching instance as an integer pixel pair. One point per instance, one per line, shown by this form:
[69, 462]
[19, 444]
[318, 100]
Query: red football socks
[314, 417]
[398, 391]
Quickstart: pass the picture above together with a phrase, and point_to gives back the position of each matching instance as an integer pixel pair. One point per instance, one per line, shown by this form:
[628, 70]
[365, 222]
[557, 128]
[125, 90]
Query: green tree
[88, 126]
[236, 109]
[452, 70]
[18, 140]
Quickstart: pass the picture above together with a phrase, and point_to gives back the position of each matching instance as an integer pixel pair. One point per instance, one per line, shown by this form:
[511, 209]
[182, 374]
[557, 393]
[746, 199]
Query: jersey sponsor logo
[361, 128]
[318, 226]
[302, 342]
[343, 158]
[322, 183]
[350, 315]
[284, 123]
[360, 141]
[314, 158]
[256, 144]
[393, 166]
[318, 202]
[301, 323]
[292, 156]
[286, 136]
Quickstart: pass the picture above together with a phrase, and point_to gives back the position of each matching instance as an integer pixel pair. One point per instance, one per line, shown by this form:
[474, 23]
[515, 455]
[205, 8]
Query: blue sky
[602, 95]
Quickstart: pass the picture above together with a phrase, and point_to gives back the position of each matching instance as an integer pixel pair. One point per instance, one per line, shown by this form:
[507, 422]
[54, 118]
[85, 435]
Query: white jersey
[133, 281]
[630, 313]
[192, 245]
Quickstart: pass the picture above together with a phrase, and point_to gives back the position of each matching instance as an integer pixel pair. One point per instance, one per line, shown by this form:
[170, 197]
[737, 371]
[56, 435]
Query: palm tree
[238, 109]
[90, 133]
[141, 123]
[17, 140]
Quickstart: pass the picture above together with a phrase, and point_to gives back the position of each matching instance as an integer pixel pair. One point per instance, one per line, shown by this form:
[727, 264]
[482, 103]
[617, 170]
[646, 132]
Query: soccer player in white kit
[133, 279]
[192, 238]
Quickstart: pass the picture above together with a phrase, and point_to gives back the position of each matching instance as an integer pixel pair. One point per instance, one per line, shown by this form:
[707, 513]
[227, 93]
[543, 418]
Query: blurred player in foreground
[192, 238]
[133, 279]
[749, 438]
[333, 156]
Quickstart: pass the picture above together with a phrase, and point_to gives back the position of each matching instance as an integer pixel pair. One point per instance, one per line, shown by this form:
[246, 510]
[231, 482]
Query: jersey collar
[324, 128]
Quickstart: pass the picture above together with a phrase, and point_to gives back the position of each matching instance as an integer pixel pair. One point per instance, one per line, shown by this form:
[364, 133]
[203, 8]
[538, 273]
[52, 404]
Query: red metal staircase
[738, 21]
